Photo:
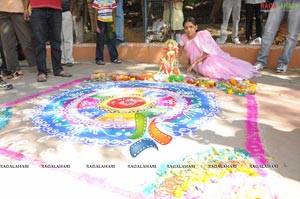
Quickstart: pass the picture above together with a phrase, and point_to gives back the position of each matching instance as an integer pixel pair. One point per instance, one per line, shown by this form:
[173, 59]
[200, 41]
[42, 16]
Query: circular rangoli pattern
[106, 113]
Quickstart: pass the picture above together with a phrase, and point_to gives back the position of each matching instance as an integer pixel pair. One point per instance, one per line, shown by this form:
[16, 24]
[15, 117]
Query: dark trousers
[12, 25]
[253, 10]
[3, 65]
[106, 31]
[47, 22]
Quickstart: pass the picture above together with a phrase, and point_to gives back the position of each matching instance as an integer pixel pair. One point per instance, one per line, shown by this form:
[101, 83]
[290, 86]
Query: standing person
[77, 10]
[67, 34]
[177, 17]
[119, 22]
[230, 7]
[276, 15]
[104, 17]
[12, 24]
[46, 20]
[208, 59]
[253, 9]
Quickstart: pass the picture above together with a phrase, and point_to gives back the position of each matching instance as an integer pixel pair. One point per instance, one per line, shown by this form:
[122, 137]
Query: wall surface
[151, 53]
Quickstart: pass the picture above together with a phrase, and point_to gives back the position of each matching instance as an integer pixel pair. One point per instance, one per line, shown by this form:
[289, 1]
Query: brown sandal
[64, 74]
[15, 75]
[42, 78]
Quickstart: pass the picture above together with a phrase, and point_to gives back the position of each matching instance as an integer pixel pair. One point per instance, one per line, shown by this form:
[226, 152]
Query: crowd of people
[33, 23]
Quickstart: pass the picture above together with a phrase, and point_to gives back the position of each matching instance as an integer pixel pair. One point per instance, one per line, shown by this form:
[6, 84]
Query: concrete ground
[278, 121]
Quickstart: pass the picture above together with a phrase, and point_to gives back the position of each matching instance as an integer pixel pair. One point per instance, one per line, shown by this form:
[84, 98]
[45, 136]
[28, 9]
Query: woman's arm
[197, 61]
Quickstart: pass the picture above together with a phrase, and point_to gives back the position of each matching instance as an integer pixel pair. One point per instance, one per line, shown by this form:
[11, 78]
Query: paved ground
[278, 117]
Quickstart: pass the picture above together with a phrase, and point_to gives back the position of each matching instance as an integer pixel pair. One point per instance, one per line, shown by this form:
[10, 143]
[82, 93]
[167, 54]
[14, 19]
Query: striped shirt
[105, 9]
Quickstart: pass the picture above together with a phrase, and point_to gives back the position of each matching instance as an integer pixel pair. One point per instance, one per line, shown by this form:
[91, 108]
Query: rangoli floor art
[138, 139]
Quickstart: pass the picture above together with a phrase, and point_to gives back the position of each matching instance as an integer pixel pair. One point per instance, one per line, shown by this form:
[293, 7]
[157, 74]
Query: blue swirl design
[5, 116]
[79, 114]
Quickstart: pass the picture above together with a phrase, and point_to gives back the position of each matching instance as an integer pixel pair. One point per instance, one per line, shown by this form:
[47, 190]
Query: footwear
[116, 61]
[220, 41]
[259, 66]
[281, 68]
[69, 64]
[236, 41]
[42, 77]
[256, 41]
[15, 75]
[4, 85]
[118, 42]
[6, 72]
[100, 62]
[64, 74]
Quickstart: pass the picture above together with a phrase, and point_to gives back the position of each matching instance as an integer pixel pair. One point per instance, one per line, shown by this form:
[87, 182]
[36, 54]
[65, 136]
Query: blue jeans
[106, 31]
[120, 21]
[275, 17]
[47, 22]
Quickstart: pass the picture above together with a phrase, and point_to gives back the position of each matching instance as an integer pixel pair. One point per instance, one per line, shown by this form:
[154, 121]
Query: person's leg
[236, 12]
[78, 29]
[3, 64]
[67, 38]
[54, 20]
[111, 44]
[91, 11]
[291, 37]
[258, 20]
[249, 21]
[227, 9]
[9, 41]
[62, 46]
[100, 42]
[272, 25]
[3, 68]
[25, 37]
[120, 21]
[40, 30]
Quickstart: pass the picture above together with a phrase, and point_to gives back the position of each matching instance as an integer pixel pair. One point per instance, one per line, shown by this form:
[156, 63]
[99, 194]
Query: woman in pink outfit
[208, 59]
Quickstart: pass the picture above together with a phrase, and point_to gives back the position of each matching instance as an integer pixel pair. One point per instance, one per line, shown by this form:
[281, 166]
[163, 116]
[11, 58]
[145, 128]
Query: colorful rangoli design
[115, 113]
[5, 115]
[214, 173]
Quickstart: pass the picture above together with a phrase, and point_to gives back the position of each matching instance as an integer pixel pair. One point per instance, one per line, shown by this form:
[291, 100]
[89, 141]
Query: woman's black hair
[190, 19]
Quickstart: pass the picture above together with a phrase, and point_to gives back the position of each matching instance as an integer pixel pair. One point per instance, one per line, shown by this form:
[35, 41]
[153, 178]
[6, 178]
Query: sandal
[64, 74]
[42, 78]
[15, 75]
[116, 61]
